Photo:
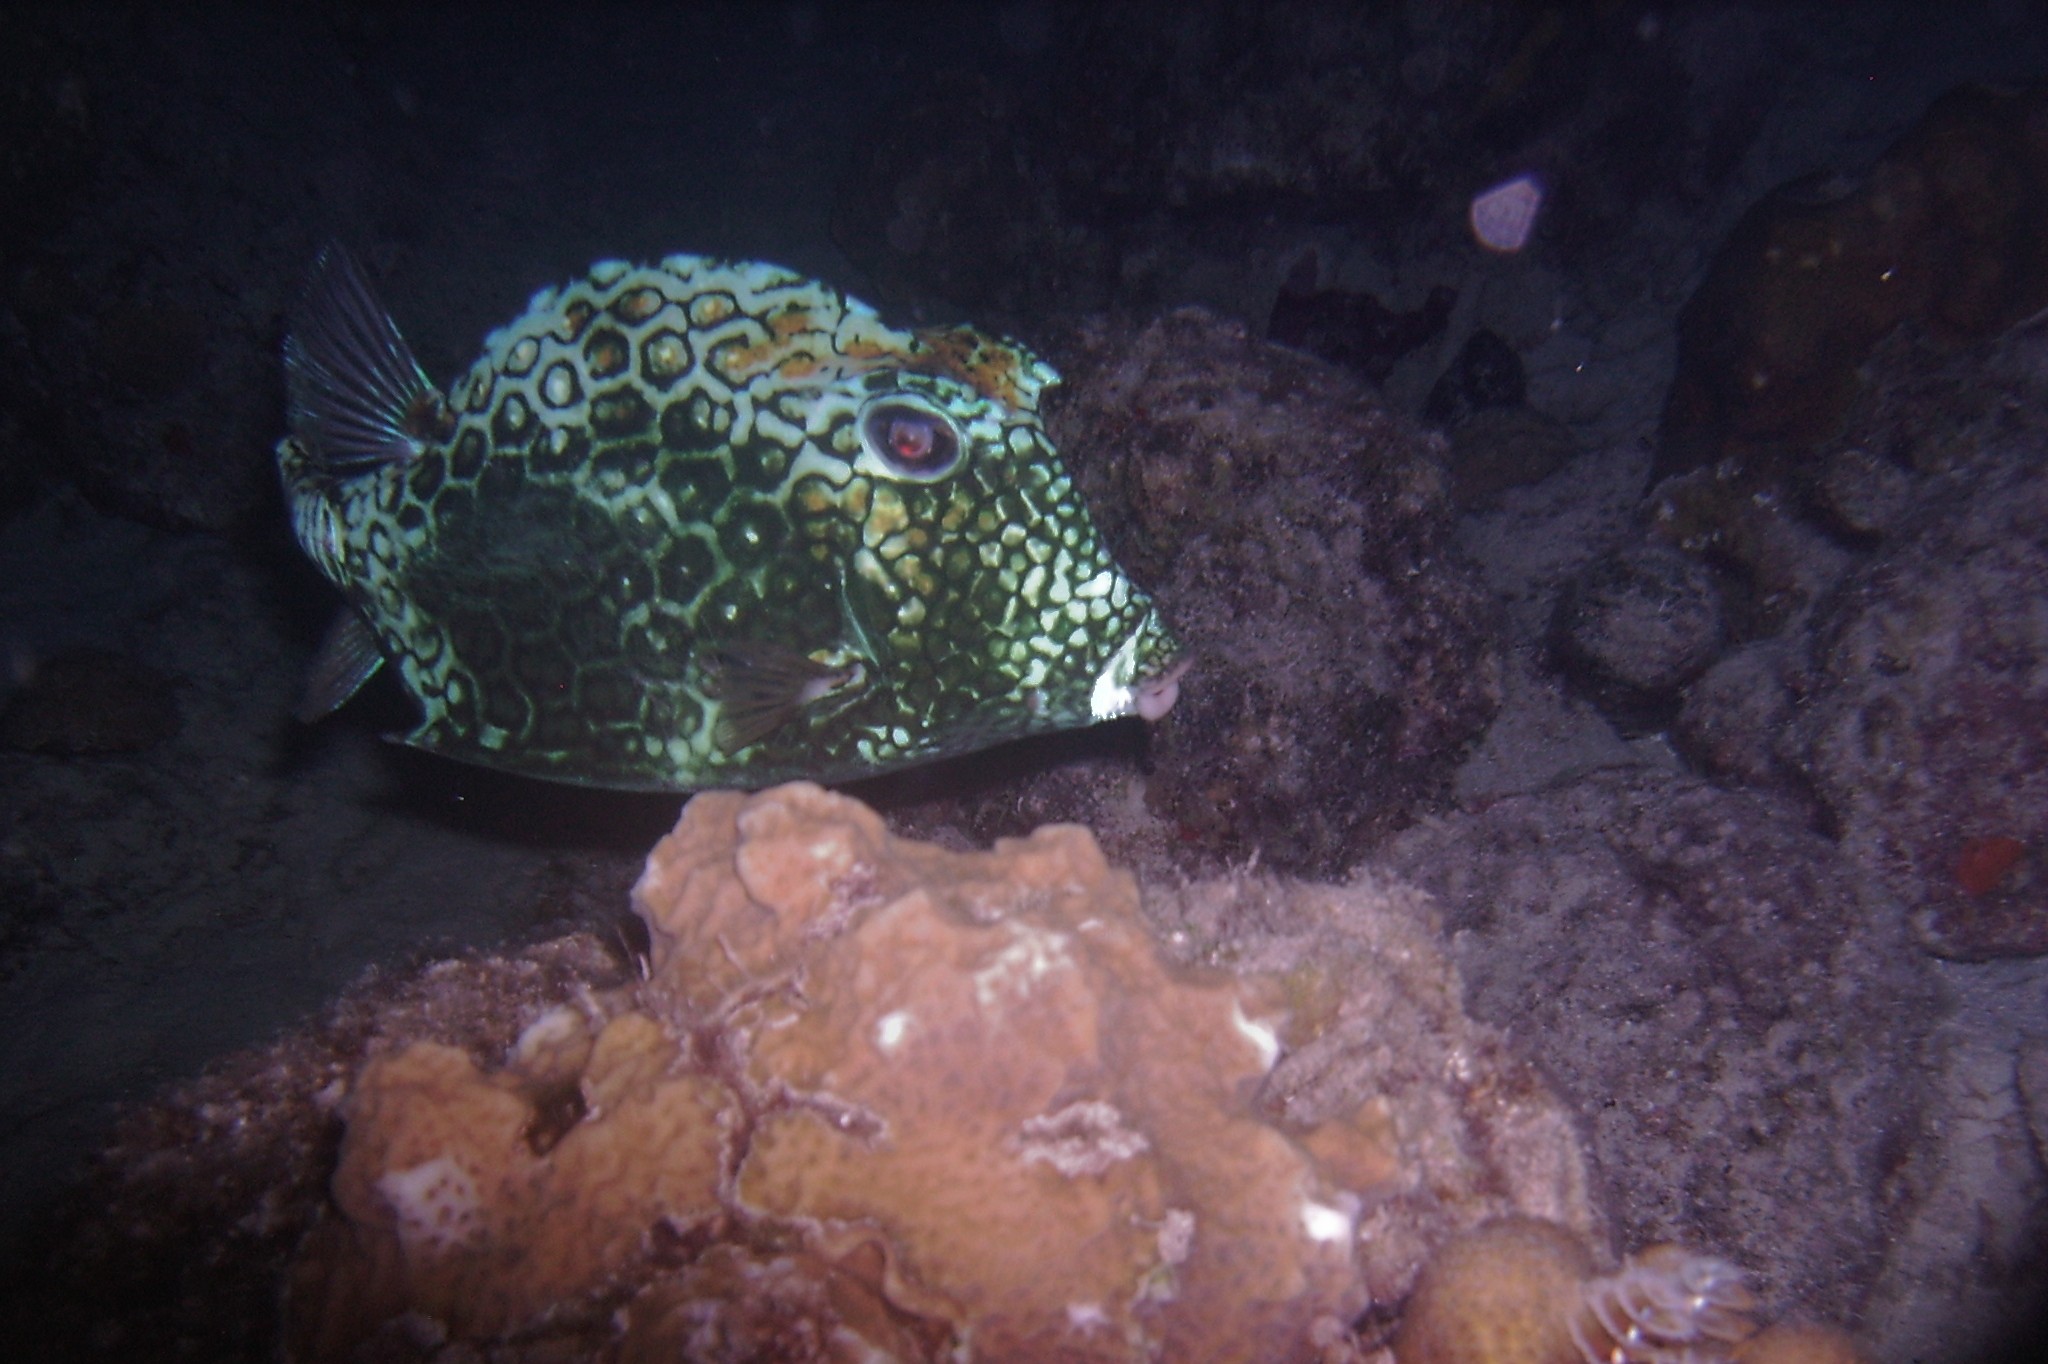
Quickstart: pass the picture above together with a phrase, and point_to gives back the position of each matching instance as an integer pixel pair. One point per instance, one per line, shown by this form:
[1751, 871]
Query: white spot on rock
[1325, 1223]
[890, 1030]
[1262, 1036]
[1086, 1317]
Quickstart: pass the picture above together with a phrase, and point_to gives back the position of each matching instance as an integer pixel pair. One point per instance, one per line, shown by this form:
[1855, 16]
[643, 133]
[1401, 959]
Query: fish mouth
[1143, 675]
[1155, 695]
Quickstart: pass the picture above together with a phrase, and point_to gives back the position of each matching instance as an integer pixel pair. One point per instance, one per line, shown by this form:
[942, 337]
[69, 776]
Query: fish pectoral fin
[762, 687]
[357, 397]
[347, 658]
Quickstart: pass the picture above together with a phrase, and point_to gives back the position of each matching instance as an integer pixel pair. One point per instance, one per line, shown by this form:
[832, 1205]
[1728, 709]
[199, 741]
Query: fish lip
[1155, 695]
[1124, 687]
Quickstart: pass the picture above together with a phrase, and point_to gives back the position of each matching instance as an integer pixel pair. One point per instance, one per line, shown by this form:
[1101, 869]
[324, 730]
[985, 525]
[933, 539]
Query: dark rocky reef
[84, 700]
[1485, 374]
[1633, 627]
[1294, 532]
[1892, 669]
[174, 1243]
[1354, 329]
[1121, 158]
[1727, 1002]
[1924, 716]
[1833, 349]
[1498, 441]
[1944, 233]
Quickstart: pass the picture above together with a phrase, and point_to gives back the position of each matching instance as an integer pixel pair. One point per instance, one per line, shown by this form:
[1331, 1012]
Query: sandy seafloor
[205, 893]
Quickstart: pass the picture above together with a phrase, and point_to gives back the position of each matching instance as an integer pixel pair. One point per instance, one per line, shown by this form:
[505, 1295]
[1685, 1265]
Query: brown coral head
[1500, 1293]
[882, 1099]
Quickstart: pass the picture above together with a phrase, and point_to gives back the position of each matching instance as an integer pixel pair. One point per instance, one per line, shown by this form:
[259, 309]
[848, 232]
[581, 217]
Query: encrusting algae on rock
[879, 1099]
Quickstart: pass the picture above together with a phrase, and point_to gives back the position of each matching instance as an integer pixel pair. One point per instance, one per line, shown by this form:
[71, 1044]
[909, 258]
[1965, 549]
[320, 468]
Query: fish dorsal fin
[761, 687]
[347, 658]
[357, 396]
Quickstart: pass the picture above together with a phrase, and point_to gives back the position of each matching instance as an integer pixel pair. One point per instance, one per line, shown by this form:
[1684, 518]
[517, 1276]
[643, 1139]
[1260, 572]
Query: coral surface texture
[875, 1098]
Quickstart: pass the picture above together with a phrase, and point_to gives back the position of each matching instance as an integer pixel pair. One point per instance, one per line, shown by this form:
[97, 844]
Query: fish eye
[910, 439]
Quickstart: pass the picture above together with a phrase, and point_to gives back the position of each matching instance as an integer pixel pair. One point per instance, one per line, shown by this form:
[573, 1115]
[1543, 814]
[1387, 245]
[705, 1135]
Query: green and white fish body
[704, 524]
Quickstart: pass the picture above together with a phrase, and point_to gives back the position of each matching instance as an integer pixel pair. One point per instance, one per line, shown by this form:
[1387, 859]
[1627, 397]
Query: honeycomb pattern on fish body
[654, 464]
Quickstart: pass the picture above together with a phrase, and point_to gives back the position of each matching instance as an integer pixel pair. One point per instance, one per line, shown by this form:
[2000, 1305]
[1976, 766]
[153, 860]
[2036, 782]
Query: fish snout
[1154, 696]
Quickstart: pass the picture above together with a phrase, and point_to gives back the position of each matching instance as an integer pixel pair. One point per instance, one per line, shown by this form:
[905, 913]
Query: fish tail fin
[357, 397]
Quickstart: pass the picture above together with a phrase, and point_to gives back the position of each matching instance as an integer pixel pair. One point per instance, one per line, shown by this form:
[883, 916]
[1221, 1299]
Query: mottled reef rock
[1294, 532]
[1736, 719]
[1634, 626]
[1892, 678]
[1924, 723]
[1837, 349]
[1943, 233]
[1729, 1006]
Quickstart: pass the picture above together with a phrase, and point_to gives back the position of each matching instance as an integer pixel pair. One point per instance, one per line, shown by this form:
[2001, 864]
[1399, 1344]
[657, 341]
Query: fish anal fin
[347, 658]
[761, 688]
[357, 395]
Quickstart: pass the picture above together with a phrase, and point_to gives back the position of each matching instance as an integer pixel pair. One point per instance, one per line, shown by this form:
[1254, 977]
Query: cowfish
[703, 523]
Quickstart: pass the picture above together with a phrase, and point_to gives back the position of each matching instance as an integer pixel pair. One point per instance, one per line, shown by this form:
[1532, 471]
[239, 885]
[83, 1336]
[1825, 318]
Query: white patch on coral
[1086, 1317]
[560, 1027]
[890, 1030]
[436, 1205]
[1325, 1223]
[1263, 1037]
[1031, 956]
[1084, 1138]
[1176, 1236]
